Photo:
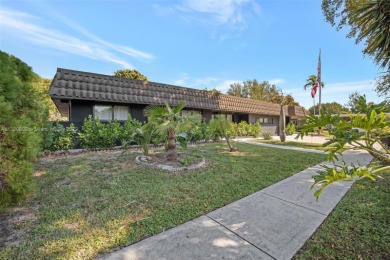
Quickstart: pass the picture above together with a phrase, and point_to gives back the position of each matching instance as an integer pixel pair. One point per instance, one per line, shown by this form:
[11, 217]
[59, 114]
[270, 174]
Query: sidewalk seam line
[241, 237]
[290, 202]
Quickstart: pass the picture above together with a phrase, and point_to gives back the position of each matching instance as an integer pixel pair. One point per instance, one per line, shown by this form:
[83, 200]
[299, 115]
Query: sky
[192, 43]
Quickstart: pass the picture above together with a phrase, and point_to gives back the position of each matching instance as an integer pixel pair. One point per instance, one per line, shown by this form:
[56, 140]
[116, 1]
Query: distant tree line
[263, 91]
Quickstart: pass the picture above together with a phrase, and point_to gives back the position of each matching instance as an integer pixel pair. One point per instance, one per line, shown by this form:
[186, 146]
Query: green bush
[57, 137]
[267, 136]
[255, 129]
[195, 134]
[290, 129]
[22, 117]
[95, 134]
[128, 129]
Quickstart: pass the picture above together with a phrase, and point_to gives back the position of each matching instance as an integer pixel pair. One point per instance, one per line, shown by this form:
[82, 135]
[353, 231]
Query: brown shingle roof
[71, 84]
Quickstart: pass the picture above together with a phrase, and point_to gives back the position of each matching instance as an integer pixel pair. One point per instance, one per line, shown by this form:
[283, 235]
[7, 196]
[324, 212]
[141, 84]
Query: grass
[90, 204]
[315, 146]
[358, 228]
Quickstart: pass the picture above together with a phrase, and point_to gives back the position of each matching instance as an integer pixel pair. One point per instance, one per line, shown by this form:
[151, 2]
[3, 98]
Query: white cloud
[231, 15]
[204, 82]
[30, 28]
[276, 81]
[225, 85]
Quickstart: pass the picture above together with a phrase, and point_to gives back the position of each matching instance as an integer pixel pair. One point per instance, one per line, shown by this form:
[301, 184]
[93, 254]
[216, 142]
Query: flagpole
[319, 82]
[314, 105]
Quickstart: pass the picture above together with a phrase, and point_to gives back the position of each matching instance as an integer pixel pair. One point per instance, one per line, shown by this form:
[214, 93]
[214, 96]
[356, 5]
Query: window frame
[112, 112]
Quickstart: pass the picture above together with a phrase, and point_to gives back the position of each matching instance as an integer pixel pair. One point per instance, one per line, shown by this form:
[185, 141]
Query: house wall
[137, 112]
[206, 114]
[80, 110]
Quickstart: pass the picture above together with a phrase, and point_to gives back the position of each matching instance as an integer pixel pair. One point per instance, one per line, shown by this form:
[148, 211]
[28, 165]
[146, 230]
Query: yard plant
[90, 204]
[371, 126]
[22, 118]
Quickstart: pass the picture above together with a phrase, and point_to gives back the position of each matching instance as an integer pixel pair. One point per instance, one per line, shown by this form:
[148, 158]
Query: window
[108, 113]
[190, 113]
[121, 112]
[229, 118]
[104, 113]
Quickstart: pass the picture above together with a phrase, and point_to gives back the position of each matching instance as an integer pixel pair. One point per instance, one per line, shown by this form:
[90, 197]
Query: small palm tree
[143, 135]
[219, 123]
[169, 120]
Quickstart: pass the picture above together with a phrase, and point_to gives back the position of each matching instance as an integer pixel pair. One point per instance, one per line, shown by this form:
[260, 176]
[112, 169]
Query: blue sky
[192, 43]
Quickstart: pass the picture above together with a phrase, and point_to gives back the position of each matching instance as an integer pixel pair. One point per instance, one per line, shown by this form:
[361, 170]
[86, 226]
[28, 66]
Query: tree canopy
[130, 74]
[260, 91]
[332, 108]
[358, 104]
[368, 20]
[23, 114]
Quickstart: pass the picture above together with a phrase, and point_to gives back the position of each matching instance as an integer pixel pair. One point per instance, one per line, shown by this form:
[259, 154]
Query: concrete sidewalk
[273, 223]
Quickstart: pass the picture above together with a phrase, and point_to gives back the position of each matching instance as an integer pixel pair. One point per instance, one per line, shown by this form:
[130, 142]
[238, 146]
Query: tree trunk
[171, 153]
[231, 148]
[282, 125]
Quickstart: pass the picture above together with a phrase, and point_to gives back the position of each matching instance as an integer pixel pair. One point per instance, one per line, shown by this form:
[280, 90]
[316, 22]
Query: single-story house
[79, 94]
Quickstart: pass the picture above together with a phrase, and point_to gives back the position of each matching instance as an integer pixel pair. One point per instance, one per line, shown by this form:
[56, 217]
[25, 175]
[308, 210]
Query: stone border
[141, 159]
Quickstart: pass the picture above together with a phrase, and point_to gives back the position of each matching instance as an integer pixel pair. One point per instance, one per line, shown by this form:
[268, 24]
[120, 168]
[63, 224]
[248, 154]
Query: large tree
[368, 20]
[130, 74]
[259, 91]
[333, 108]
[23, 114]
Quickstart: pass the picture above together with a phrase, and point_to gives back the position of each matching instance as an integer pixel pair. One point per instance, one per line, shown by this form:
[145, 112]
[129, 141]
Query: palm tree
[219, 123]
[169, 120]
[311, 81]
[373, 19]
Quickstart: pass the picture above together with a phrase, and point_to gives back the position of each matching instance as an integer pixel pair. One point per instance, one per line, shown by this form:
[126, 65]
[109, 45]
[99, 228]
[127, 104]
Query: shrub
[57, 137]
[23, 114]
[243, 128]
[95, 134]
[128, 128]
[195, 134]
[290, 129]
[267, 136]
[254, 129]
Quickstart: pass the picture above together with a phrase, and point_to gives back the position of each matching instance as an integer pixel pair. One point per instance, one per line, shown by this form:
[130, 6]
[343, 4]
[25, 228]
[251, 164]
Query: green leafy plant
[290, 129]
[169, 120]
[254, 129]
[186, 160]
[57, 137]
[219, 124]
[127, 130]
[143, 136]
[267, 136]
[360, 132]
[96, 134]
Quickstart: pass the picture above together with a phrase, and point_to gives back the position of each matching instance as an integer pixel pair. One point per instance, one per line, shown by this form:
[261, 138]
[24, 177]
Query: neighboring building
[79, 94]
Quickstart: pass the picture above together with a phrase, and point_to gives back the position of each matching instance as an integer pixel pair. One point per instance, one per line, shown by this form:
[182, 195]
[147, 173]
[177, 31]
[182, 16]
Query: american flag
[319, 69]
[314, 90]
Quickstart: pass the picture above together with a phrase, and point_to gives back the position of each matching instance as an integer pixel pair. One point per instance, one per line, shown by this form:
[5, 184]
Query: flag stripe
[319, 69]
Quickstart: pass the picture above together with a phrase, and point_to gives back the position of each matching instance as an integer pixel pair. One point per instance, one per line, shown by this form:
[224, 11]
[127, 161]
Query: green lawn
[89, 204]
[292, 143]
[358, 228]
